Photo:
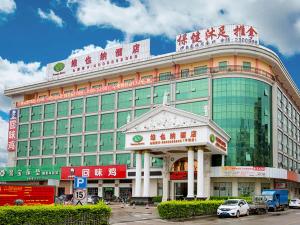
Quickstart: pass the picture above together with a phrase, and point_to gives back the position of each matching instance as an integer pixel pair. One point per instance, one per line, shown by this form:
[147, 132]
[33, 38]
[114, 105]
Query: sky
[34, 33]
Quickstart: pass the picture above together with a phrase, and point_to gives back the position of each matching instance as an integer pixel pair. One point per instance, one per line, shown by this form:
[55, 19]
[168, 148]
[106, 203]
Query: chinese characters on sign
[12, 130]
[94, 172]
[244, 171]
[223, 34]
[29, 173]
[173, 137]
[101, 59]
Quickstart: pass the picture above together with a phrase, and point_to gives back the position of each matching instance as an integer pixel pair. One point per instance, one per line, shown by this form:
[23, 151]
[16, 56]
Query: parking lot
[140, 215]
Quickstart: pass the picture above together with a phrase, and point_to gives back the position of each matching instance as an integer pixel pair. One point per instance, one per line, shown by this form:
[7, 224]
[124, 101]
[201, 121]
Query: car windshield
[231, 202]
[269, 197]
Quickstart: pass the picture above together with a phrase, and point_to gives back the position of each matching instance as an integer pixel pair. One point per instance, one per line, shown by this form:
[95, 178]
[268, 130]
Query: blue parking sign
[80, 182]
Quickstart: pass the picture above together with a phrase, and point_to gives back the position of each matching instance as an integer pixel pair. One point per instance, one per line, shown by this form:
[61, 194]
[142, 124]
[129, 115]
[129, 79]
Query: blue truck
[276, 199]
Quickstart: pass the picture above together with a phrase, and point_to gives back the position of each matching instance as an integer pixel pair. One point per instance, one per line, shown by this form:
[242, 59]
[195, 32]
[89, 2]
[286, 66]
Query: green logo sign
[59, 67]
[137, 138]
[26, 173]
[212, 138]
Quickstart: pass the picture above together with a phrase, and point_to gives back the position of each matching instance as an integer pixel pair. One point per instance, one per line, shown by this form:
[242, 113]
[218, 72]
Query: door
[180, 190]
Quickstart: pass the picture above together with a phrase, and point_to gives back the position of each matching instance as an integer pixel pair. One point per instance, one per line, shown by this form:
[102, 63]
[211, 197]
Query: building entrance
[181, 190]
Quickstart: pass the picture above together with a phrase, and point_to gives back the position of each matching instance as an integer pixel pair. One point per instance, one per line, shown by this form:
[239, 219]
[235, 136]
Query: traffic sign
[80, 182]
[79, 194]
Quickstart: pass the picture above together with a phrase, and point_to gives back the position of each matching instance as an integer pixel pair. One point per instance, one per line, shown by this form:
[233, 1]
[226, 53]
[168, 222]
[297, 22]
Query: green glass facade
[243, 108]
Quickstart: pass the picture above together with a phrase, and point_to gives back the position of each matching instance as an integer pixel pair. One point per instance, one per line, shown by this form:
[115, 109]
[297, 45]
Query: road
[140, 215]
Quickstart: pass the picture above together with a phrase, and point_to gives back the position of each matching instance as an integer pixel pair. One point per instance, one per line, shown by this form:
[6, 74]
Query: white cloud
[51, 16]
[276, 20]
[7, 6]
[3, 142]
[92, 48]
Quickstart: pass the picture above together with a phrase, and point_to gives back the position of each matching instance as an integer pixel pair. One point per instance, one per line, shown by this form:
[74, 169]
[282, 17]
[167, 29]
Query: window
[62, 127]
[24, 115]
[21, 162]
[123, 159]
[75, 144]
[107, 121]
[143, 96]
[90, 160]
[115, 83]
[222, 189]
[279, 118]
[246, 66]
[285, 143]
[77, 106]
[165, 76]
[47, 146]
[120, 141]
[48, 128]
[47, 162]
[61, 161]
[91, 123]
[76, 125]
[62, 109]
[82, 89]
[279, 98]
[159, 92]
[35, 130]
[36, 113]
[61, 145]
[42, 96]
[124, 99]
[68, 91]
[75, 161]
[200, 70]
[34, 162]
[107, 102]
[184, 73]
[280, 160]
[279, 139]
[157, 162]
[22, 148]
[147, 77]
[49, 111]
[96, 86]
[106, 142]
[223, 66]
[90, 143]
[140, 112]
[200, 108]
[106, 160]
[192, 89]
[55, 94]
[246, 189]
[34, 147]
[122, 118]
[23, 131]
[128, 81]
[92, 104]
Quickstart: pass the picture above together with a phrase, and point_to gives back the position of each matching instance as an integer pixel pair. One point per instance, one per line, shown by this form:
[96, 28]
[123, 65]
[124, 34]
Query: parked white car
[294, 203]
[233, 208]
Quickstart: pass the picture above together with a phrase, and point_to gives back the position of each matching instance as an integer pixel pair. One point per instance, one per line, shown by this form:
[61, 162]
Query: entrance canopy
[166, 128]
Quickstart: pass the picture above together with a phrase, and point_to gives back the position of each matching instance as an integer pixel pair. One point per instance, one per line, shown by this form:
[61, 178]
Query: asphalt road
[140, 215]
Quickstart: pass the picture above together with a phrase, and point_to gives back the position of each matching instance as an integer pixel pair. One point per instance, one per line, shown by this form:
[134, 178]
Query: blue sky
[34, 33]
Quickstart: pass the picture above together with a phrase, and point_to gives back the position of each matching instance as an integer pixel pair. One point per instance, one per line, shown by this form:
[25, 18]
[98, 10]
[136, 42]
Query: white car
[233, 207]
[294, 203]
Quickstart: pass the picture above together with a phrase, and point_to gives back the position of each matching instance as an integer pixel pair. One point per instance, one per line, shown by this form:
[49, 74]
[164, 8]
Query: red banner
[31, 195]
[94, 172]
[12, 130]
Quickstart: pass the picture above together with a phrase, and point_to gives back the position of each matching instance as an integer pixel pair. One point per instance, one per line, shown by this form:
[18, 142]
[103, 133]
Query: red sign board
[181, 175]
[12, 130]
[94, 172]
[31, 195]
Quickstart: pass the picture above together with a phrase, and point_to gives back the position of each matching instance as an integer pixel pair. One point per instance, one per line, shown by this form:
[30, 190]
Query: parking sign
[80, 182]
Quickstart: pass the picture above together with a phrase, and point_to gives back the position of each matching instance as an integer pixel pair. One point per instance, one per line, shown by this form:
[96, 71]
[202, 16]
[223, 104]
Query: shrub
[248, 198]
[54, 214]
[157, 199]
[186, 209]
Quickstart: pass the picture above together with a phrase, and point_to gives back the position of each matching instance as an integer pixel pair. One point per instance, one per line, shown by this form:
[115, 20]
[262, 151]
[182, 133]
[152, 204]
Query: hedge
[185, 209]
[248, 198]
[54, 214]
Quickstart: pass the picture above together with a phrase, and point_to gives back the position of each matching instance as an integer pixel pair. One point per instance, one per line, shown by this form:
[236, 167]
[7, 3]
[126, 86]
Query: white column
[146, 174]
[200, 174]
[190, 173]
[138, 174]
[165, 180]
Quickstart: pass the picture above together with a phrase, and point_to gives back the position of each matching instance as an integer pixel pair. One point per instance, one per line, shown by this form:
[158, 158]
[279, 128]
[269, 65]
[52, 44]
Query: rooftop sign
[99, 60]
[223, 34]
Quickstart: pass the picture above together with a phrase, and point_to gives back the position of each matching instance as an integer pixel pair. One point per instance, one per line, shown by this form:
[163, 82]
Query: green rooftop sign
[29, 173]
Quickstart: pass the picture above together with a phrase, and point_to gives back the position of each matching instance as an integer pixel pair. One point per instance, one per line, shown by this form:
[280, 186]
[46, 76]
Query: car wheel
[237, 214]
[248, 213]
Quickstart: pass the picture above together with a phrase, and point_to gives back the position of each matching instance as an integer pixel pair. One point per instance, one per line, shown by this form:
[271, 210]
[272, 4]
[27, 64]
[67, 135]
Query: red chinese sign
[221, 144]
[94, 172]
[223, 34]
[12, 130]
[31, 195]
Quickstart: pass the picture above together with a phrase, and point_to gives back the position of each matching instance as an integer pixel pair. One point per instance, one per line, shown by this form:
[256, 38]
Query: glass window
[200, 108]
[246, 66]
[200, 70]
[24, 115]
[223, 65]
[91, 123]
[165, 76]
[120, 141]
[61, 161]
[61, 145]
[122, 118]
[90, 160]
[246, 189]
[159, 92]
[285, 143]
[48, 128]
[97, 86]
[35, 130]
[279, 139]
[115, 83]
[106, 160]
[184, 73]
[123, 159]
[47, 146]
[90, 143]
[279, 98]
[128, 81]
[62, 109]
[157, 162]
[75, 144]
[279, 118]
[34, 147]
[108, 102]
[222, 189]
[140, 112]
[34, 162]
[76, 125]
[23, 131]
[75, 161]
[62, 127]
[77, 106]
[92, 104]
[22, 148]
[107, 121]
[143, 96]
[106, 142]
[21, 162]
[36, 113]
[49, 111]
[124, 99]
[192, 89]
[47, 162]
[147, 77]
